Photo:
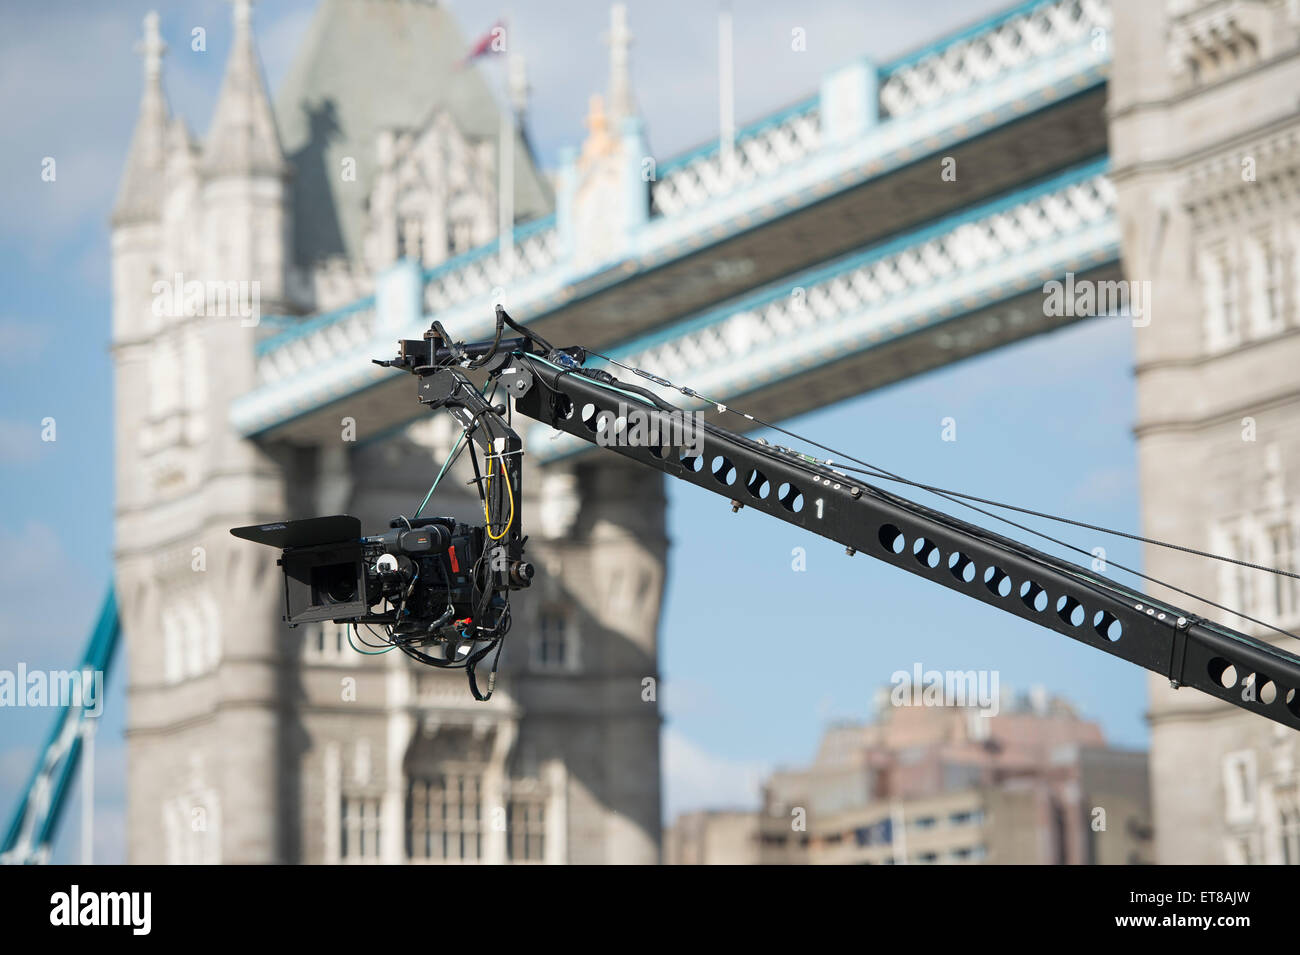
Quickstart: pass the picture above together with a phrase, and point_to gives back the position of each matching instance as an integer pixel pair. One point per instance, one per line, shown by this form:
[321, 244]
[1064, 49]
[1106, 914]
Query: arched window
[554, 644]
[410, 237]
[526, 822]
[446, 820]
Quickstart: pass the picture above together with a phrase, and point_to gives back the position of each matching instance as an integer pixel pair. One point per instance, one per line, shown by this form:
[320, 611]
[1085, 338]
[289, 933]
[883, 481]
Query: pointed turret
[245, 176]
[182, 150]
[139, 196]
[621, 104]
[604, 196]
[243, 138]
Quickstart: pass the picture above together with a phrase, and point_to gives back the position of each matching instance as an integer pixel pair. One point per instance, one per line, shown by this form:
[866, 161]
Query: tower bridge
[899, 218]
[858, 166]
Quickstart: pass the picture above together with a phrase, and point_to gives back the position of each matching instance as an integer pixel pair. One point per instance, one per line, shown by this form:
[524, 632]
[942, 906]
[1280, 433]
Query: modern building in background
[713, 837]
[1033, 784]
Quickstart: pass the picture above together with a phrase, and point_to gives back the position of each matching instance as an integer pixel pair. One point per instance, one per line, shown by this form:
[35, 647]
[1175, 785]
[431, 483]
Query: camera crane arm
[550, 386]
[485, 425]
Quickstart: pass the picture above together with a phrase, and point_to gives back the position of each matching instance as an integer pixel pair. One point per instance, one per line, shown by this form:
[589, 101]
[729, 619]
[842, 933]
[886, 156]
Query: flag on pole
[490, 43]
[494, 41]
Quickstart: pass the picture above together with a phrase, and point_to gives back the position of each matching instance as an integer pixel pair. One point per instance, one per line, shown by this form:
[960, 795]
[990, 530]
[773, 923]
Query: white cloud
[70, 89]
[1103, 487]
[278, 41]
[110, 835]
[38, 625]
[47, 111]
[683, 697]
[20, 441]
[697, 779]
[16, 764]
[675, 57]
[21, 341]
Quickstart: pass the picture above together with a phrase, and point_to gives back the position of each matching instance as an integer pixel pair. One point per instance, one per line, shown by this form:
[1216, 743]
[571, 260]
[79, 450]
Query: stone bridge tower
[251, 743]
[1205, 151]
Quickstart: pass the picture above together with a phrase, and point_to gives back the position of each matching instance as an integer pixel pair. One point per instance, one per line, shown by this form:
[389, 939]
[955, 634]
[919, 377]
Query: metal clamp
[1178, 653]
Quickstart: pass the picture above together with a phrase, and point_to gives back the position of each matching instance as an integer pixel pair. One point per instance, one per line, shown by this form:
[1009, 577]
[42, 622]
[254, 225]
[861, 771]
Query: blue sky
[751, 680]
[748, 683]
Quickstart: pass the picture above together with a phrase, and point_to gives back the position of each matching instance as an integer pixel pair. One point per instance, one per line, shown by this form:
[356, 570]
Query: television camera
[438, 589]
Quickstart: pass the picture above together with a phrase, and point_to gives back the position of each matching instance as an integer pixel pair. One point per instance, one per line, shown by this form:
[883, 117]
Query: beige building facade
[1205, 154]
[252, 743]
[1033, 784]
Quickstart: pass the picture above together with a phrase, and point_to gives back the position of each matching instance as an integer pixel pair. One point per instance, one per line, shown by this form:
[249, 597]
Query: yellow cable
[487, 494]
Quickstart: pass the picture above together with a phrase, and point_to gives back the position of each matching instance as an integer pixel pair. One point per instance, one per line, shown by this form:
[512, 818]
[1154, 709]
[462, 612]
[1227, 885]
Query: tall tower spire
[620, 83]
[517, 84]
[139, 195]
[243, 137]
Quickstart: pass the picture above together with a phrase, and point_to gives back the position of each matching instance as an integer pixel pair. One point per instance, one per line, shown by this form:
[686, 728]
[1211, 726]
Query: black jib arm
[971, 560]
[551, 386]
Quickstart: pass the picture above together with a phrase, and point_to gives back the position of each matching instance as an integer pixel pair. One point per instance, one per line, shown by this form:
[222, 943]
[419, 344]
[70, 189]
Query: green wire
[445, 464]
[443, 470]
[451, 455]
[370, 653]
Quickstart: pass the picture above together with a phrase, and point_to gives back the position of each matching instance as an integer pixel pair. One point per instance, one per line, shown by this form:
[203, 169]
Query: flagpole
[726, 94]
[506, 188]
[88, 793]
[506, 173]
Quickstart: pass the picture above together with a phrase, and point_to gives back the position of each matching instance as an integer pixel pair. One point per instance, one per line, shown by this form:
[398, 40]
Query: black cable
[457, 352]
[882, 472]
[878, 472]
[1086, 553]
[446, 470]
[496, 342]
[1066, 520]
[472, 662]
[478, 475]
[1061, 543]
[527, 333]
[1076, 571]
[380, 645]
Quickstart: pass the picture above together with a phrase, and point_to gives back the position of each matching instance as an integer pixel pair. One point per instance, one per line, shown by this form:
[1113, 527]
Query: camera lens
[342, 590]
[335, 583]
